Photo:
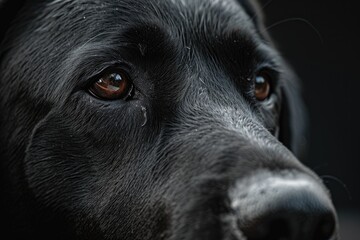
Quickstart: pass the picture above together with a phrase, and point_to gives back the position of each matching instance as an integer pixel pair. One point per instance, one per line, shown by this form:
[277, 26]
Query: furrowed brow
[134, 44]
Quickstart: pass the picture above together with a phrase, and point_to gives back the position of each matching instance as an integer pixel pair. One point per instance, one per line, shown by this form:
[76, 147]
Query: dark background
[321, 40]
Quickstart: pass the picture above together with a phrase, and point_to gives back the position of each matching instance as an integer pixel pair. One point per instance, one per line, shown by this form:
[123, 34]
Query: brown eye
[112, 85]
[262, 86]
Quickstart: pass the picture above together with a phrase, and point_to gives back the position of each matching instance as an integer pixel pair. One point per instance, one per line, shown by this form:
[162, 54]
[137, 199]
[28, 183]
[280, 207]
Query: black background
[321, 40]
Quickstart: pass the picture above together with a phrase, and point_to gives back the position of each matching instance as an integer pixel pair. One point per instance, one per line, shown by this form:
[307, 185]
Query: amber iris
[113, 85]
[262, 86]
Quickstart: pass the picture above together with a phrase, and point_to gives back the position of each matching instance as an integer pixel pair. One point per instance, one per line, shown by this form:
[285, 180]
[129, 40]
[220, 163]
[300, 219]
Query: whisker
[335, 179]
[266, 4]
[296, 19]
[263, 7]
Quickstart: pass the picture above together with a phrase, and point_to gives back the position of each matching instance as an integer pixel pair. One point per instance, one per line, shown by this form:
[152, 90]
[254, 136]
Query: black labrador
[151, 119]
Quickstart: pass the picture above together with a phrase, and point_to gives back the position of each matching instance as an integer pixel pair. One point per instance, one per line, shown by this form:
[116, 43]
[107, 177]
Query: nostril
[326, 228]
[278, 229]
[288, 229]
[286, 212]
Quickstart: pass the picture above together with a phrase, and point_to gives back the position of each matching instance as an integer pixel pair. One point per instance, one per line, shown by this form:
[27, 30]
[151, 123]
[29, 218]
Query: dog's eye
[262, 86]
[112, 85]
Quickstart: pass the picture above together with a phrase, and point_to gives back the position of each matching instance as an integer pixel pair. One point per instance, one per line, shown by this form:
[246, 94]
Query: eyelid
[269, 65]
[106, 68]
[273, 72]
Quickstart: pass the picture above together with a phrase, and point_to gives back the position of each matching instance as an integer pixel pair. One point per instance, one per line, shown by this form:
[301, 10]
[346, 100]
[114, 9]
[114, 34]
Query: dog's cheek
[57, 166]
[293, 116]
[83, 171]
[67, 169]
[75, 148]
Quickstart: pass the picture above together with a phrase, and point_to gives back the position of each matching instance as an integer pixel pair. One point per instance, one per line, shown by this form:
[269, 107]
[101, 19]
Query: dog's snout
[285, 208]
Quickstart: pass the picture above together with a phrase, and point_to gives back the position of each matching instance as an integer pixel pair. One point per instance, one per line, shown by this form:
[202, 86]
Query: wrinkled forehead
[216, 16]
[228, 6]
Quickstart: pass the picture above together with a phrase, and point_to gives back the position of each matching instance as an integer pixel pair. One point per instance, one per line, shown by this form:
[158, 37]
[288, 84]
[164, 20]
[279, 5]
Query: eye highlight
[111, 85]
[262, 88]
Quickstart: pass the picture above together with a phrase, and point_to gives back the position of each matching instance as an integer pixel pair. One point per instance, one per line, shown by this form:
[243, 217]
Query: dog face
[151, 120]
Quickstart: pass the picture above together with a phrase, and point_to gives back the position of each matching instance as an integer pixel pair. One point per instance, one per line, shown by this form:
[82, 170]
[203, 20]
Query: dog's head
[171, 120]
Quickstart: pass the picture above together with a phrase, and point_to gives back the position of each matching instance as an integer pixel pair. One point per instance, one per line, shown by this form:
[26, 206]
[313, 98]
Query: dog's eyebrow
[150, 36]
[130, 44]
[247, 44]
[135, 36]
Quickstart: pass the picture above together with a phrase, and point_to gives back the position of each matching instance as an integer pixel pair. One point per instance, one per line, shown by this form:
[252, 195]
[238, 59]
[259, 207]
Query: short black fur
[156, 166]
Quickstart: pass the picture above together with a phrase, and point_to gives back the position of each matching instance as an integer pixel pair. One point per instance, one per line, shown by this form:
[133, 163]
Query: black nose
[286, 209]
